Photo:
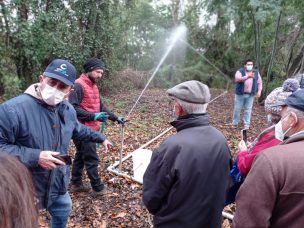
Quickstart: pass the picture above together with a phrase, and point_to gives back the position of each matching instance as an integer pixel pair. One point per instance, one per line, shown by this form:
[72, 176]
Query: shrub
[12, 86]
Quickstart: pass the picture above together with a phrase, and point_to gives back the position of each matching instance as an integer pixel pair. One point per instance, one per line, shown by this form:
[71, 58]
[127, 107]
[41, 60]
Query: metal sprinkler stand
[122, 133]
[113, 168]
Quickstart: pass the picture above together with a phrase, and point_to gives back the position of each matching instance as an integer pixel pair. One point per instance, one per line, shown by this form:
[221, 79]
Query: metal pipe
[227, 215]
[112, 167]
[121, 146]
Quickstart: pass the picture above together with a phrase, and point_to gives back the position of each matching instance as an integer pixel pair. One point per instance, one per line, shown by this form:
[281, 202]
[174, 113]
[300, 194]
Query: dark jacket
[239, 87]
[186, 180]
[28, 126]
[272, 194]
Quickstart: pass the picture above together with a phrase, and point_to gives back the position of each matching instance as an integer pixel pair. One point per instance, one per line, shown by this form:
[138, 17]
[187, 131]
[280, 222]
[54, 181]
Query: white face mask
[51, 95]
[249, 68]
[269, 119]
[279, 133]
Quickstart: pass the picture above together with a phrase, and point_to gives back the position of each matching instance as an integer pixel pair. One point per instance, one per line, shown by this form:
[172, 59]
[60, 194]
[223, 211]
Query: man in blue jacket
[37, 126]
[248, 85]
[186, 180]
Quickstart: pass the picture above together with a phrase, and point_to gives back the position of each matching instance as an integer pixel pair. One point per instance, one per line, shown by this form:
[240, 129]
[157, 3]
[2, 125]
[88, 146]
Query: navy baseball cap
[296, 100]
[61, 70]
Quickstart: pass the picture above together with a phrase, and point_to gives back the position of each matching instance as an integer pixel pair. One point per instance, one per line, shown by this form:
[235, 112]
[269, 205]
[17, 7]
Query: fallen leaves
[119, 215]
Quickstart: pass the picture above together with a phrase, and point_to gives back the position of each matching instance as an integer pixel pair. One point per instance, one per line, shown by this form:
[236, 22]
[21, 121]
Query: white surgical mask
[279, 133]
[269, 119]
[51, 95]
[249, 68]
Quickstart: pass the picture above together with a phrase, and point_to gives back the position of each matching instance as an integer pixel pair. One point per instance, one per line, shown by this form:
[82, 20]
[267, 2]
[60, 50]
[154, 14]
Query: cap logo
[62, 69]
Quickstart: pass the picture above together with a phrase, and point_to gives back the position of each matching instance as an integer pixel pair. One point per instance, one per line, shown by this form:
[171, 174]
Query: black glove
[121, 120]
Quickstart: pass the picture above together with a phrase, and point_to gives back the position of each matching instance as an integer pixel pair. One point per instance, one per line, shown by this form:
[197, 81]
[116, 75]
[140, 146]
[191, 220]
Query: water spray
[178, 33]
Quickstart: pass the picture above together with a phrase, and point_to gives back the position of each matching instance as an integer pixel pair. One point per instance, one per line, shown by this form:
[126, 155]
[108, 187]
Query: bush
[124, 80]
[275, 83]
[12, 86]
[171, 75]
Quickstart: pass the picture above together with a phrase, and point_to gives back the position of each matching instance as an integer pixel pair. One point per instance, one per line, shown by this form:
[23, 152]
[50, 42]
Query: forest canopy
[130, 34]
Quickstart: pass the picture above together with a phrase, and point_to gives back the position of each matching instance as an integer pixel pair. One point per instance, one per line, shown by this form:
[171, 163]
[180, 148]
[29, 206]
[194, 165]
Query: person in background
[273, 112]
[37, 126]
[187, 178]
[272, 194]
[17, 194]
[90, 111]
[248, 85]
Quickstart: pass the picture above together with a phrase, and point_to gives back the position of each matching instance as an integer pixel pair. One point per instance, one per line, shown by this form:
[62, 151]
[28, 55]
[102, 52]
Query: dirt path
[124, 208]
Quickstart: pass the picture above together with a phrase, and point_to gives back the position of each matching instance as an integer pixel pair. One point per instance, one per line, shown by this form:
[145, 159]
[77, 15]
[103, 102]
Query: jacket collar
[34, 91]
[191, 120]
[292, 139]
[86, 80]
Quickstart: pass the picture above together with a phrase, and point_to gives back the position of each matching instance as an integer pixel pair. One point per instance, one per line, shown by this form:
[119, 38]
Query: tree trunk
[291, 50]
[23, 64]
[296, 64]
[7, 28]
[272, 53]
[175, 11]
[257, 40]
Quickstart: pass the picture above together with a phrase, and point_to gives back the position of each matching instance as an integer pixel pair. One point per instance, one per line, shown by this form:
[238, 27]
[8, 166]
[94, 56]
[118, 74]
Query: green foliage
[12, 86]
[277, 82]
[134, 34]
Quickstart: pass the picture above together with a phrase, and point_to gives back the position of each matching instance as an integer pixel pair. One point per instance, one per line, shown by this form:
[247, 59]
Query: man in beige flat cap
[186, 180]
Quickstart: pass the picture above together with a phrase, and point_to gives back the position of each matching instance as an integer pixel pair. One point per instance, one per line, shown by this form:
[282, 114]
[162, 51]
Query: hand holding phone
[65, 158]
[244, 135]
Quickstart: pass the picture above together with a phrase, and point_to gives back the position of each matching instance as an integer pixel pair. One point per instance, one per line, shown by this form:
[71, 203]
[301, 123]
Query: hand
[250, 74]
[106, 144]
[258, 94]
[101, 116]
[242, 146]
[121, 120]
[47, 161]
[249, 145]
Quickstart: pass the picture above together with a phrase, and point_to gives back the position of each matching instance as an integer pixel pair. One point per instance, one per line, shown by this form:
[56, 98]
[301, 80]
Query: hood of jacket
[35, 91]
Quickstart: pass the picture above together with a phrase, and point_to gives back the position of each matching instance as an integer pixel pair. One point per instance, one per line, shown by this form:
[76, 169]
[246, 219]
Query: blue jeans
[240, 101]
[60, 210]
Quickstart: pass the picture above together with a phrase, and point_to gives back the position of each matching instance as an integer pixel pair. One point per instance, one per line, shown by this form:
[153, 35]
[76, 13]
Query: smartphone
[65, 158]
[244, 135]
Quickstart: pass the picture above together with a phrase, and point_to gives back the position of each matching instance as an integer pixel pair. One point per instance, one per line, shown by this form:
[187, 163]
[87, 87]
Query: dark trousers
[86, 156]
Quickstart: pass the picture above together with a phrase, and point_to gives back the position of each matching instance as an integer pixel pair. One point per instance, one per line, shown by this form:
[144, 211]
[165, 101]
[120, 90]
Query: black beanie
[93, 64]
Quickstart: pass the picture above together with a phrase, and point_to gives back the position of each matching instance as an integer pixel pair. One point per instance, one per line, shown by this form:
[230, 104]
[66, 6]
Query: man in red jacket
[87, 103]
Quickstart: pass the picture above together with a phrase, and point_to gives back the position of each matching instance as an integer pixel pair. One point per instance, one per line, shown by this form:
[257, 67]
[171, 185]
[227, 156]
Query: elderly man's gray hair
[298, 112]
[192, 108]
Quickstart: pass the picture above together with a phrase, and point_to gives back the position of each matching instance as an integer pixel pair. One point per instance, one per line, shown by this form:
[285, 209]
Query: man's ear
[294, 119]
[40, 78]
[179, 110]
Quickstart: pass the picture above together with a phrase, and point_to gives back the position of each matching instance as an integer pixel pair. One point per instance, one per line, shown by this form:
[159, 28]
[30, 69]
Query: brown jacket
[273, 192]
